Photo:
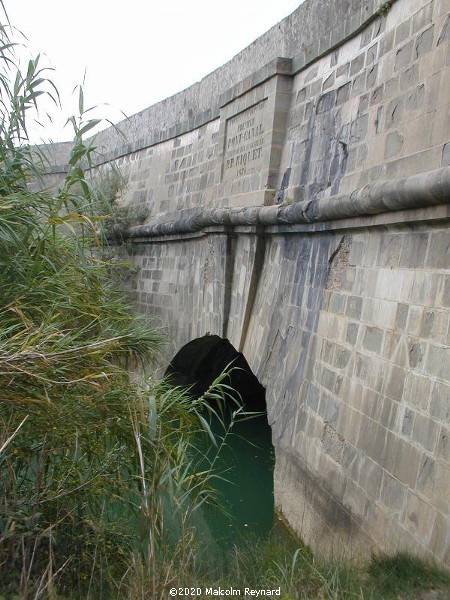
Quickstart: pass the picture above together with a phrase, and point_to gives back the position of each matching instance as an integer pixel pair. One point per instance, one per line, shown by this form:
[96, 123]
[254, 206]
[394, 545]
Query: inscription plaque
[244, 141]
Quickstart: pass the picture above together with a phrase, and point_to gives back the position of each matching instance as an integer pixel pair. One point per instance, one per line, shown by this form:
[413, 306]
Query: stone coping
[417, 191]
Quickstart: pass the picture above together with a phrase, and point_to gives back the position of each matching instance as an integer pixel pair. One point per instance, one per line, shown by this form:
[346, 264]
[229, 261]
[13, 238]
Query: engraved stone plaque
[250, 139]
[244, 141]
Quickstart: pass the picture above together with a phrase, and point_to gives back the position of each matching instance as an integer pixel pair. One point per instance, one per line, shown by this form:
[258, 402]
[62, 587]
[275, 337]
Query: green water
[245, 494]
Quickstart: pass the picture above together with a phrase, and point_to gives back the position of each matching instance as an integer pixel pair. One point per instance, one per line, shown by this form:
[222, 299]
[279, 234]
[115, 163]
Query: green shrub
[91, 463]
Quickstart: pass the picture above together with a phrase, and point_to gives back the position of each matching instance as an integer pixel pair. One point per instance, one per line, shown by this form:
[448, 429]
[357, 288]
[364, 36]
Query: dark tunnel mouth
[202, 360]
[245, 458]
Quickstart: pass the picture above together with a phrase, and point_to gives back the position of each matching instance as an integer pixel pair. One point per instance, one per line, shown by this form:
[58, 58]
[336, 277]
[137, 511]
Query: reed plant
[281, 565]
[93, 466]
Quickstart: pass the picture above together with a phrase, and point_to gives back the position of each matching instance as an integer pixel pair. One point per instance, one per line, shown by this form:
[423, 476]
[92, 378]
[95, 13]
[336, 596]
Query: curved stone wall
[311, 30]
[297, 203]
[361, 96]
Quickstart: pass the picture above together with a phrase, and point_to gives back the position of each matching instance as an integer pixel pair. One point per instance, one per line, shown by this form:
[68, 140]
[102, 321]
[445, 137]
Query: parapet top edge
[331, 40]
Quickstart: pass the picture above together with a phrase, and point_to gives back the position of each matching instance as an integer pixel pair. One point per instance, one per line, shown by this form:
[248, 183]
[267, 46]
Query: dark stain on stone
[445, 33]
[415, 354]
[319, 495]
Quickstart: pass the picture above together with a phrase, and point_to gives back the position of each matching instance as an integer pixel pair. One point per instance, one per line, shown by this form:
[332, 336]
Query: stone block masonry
[370, 364]
[298, 204]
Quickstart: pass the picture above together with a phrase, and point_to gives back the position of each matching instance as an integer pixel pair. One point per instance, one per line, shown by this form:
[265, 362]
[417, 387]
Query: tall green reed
[93, 466]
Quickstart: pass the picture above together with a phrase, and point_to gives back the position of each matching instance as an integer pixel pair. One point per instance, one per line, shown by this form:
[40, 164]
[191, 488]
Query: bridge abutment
[300, 207]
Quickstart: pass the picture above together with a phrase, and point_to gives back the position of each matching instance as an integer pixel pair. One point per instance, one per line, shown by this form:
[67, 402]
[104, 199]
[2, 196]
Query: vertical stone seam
[255, 277]
[230, 257]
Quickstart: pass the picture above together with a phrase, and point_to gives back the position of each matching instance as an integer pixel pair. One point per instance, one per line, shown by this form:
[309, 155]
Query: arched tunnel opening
[245, 491]
[202, 360]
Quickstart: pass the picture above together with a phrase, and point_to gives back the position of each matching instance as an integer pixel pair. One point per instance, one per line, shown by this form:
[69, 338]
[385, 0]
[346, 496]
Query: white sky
[135, 52]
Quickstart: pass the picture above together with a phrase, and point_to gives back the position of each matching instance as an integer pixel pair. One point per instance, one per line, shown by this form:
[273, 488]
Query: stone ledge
[278, 66]
[418, 191]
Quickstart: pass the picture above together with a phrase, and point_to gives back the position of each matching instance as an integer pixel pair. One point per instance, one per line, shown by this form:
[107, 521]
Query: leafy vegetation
[404, 576]
[90, 462]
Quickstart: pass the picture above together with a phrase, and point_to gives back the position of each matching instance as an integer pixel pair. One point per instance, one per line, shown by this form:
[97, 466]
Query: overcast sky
[136, 52]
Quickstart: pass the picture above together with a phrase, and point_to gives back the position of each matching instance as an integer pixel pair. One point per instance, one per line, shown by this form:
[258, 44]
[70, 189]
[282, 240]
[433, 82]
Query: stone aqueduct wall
[297, 204]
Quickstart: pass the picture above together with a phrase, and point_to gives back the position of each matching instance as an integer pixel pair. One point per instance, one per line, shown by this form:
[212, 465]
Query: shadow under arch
[201, 361]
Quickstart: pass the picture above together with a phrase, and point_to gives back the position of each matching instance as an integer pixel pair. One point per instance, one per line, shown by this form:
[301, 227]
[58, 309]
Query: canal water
[244, 488]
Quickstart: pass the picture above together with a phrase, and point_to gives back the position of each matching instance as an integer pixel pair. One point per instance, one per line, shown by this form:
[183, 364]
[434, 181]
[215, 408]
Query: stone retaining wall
[297, 202]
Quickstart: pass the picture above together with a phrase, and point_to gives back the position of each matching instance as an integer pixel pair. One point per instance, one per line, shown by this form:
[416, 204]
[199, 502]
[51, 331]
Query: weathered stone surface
[446, 155]
[403, 55]
[394, 143]
[299, 206]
